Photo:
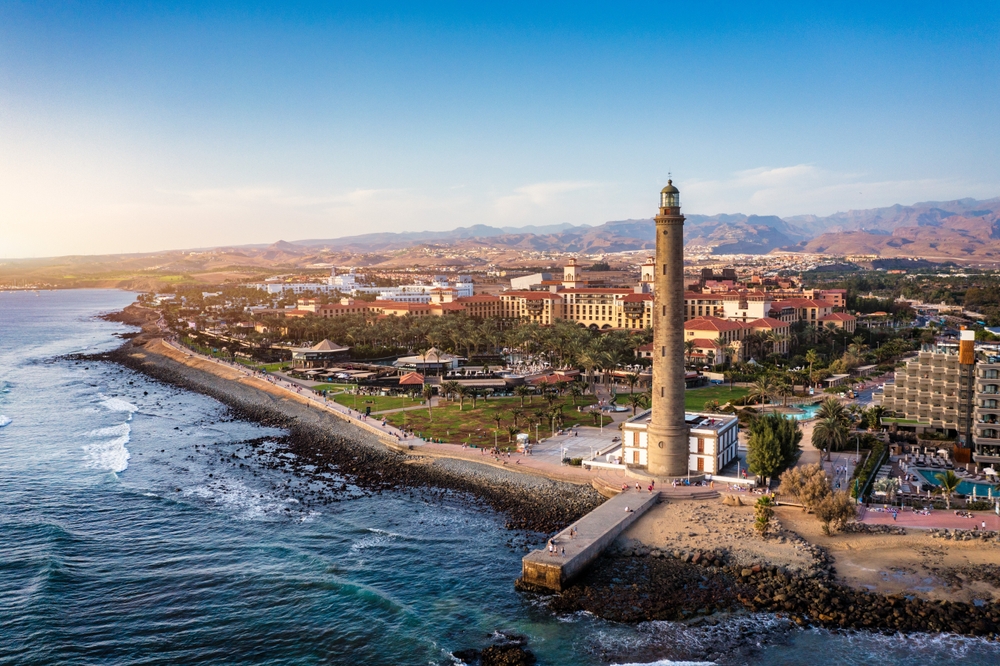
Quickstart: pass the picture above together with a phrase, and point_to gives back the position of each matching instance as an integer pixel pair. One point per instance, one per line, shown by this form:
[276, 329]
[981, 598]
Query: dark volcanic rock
[325, 445]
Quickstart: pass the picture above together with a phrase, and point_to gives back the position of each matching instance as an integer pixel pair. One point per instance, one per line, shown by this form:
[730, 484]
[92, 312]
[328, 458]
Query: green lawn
[695, 399]
[476, 426]
[333, 387]
[377, 402]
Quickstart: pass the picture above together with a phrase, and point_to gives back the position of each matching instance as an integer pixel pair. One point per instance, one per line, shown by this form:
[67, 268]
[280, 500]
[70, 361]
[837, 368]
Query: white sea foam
[117, 405]
[4, 420]
[668, 662]
[110, 454]
[238, 500]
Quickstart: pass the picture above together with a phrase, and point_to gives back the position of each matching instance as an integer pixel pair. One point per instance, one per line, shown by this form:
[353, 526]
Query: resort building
[926, 388]
[986, 422]
[841, 320]
[712, 440]
[319, 355]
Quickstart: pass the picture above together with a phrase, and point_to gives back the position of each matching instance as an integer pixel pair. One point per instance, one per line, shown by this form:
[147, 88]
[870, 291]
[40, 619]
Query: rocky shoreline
[324, 446]
[636, 584]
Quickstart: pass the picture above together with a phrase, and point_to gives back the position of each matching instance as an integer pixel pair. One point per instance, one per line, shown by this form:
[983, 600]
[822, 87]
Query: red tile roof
[713, 324]
[768, 322]
[838, 316]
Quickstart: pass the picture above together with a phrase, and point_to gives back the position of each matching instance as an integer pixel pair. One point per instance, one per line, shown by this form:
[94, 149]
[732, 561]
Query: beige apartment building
[927, 389]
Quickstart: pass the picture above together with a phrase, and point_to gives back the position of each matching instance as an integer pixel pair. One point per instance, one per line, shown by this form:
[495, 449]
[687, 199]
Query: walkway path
[942, 519]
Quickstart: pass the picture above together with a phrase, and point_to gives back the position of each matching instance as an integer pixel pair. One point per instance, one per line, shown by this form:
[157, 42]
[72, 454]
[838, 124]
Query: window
[701, 445]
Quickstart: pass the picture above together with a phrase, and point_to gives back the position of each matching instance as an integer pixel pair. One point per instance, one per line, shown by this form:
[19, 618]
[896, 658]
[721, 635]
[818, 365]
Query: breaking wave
[110, 454]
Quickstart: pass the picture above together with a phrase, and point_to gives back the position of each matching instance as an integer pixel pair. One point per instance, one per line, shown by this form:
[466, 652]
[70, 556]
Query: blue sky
[145, 126]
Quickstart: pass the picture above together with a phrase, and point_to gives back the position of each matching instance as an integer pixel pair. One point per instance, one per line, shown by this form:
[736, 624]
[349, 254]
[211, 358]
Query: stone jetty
[582, 542]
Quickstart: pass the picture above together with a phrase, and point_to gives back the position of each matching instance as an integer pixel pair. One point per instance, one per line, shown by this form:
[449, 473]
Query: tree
[636, 400]
[516, 414]
[836, 509]
[761, 390]
[764, 453]
[763, 511]
[475, 394]
[772, 444]
[831, 408]
[511, 431]
[812, 357]
[575, 391]
[689, 347]
[521, 392]
[428, 393]
[873, 417]
[808, 484]
[450, 388]
[497, 417]
[830, 434]
[949, 484]
[462, 392]
[712, 407]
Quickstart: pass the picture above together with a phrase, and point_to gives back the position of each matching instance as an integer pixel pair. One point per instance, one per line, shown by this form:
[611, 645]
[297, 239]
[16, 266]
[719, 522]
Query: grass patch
[377, 402]
[695, 399]
[889, 419]
[333, 387]
[476, 426]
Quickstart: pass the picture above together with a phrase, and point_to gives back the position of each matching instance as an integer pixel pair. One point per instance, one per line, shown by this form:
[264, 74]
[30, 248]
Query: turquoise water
[136, 527]
[964, 488]
[808, 412]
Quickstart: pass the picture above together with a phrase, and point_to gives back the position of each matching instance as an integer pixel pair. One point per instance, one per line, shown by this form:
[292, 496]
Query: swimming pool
[808, 412]
[964, 488]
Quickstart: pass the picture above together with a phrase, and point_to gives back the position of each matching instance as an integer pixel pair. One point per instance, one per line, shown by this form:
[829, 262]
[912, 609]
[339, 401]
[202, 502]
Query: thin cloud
[806, 188]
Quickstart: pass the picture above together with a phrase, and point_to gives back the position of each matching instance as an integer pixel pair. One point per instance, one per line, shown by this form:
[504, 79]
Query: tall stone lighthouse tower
[667, 434]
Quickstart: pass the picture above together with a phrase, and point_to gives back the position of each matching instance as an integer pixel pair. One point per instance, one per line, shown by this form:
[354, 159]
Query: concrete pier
[594, 532]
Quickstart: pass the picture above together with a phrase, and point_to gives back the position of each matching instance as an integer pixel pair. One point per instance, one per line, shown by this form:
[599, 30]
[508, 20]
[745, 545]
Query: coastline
[634, 581]
[324, 442]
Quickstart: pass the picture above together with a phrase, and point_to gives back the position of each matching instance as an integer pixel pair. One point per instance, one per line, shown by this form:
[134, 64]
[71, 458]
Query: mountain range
[963, 228]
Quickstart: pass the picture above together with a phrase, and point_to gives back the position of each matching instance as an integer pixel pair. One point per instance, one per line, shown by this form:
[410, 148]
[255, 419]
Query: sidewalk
[939, 519]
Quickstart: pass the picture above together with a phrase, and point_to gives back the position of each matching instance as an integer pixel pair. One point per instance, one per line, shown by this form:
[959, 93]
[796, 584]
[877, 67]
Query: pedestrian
[564, 551]
[984, 525]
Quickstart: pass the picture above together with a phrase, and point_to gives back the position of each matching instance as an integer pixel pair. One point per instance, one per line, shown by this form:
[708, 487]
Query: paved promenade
[942, 519]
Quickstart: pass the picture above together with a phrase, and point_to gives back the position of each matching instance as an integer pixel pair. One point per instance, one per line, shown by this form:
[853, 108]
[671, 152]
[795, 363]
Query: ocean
[136, 527]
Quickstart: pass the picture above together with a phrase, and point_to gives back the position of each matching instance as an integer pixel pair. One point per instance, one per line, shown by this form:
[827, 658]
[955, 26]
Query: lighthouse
[667, 434]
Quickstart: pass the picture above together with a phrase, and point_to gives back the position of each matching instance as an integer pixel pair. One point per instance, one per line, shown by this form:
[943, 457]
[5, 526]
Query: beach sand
[914, 563]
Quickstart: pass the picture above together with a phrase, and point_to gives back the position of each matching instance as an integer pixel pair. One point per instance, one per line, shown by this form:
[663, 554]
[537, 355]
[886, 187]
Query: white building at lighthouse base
[712, 442]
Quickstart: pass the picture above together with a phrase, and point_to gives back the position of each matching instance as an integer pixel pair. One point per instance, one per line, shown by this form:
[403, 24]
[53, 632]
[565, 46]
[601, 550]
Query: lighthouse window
[663, 351]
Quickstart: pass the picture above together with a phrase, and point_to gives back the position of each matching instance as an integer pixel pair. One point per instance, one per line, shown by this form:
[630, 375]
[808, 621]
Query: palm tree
[462, 392]
[632, 378]
[831, 408]
[949, 484]
[575, 391]
[761, 390]
[475, 394]
[830, 434]
[689, 347]
[450, 388]
[556, 416]
[550, 398]
[511, 431]
[497, 417]
[428, 393]
[811, 357]
[636, 400]
[522, 391]
[516, 414]
[874, 417]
